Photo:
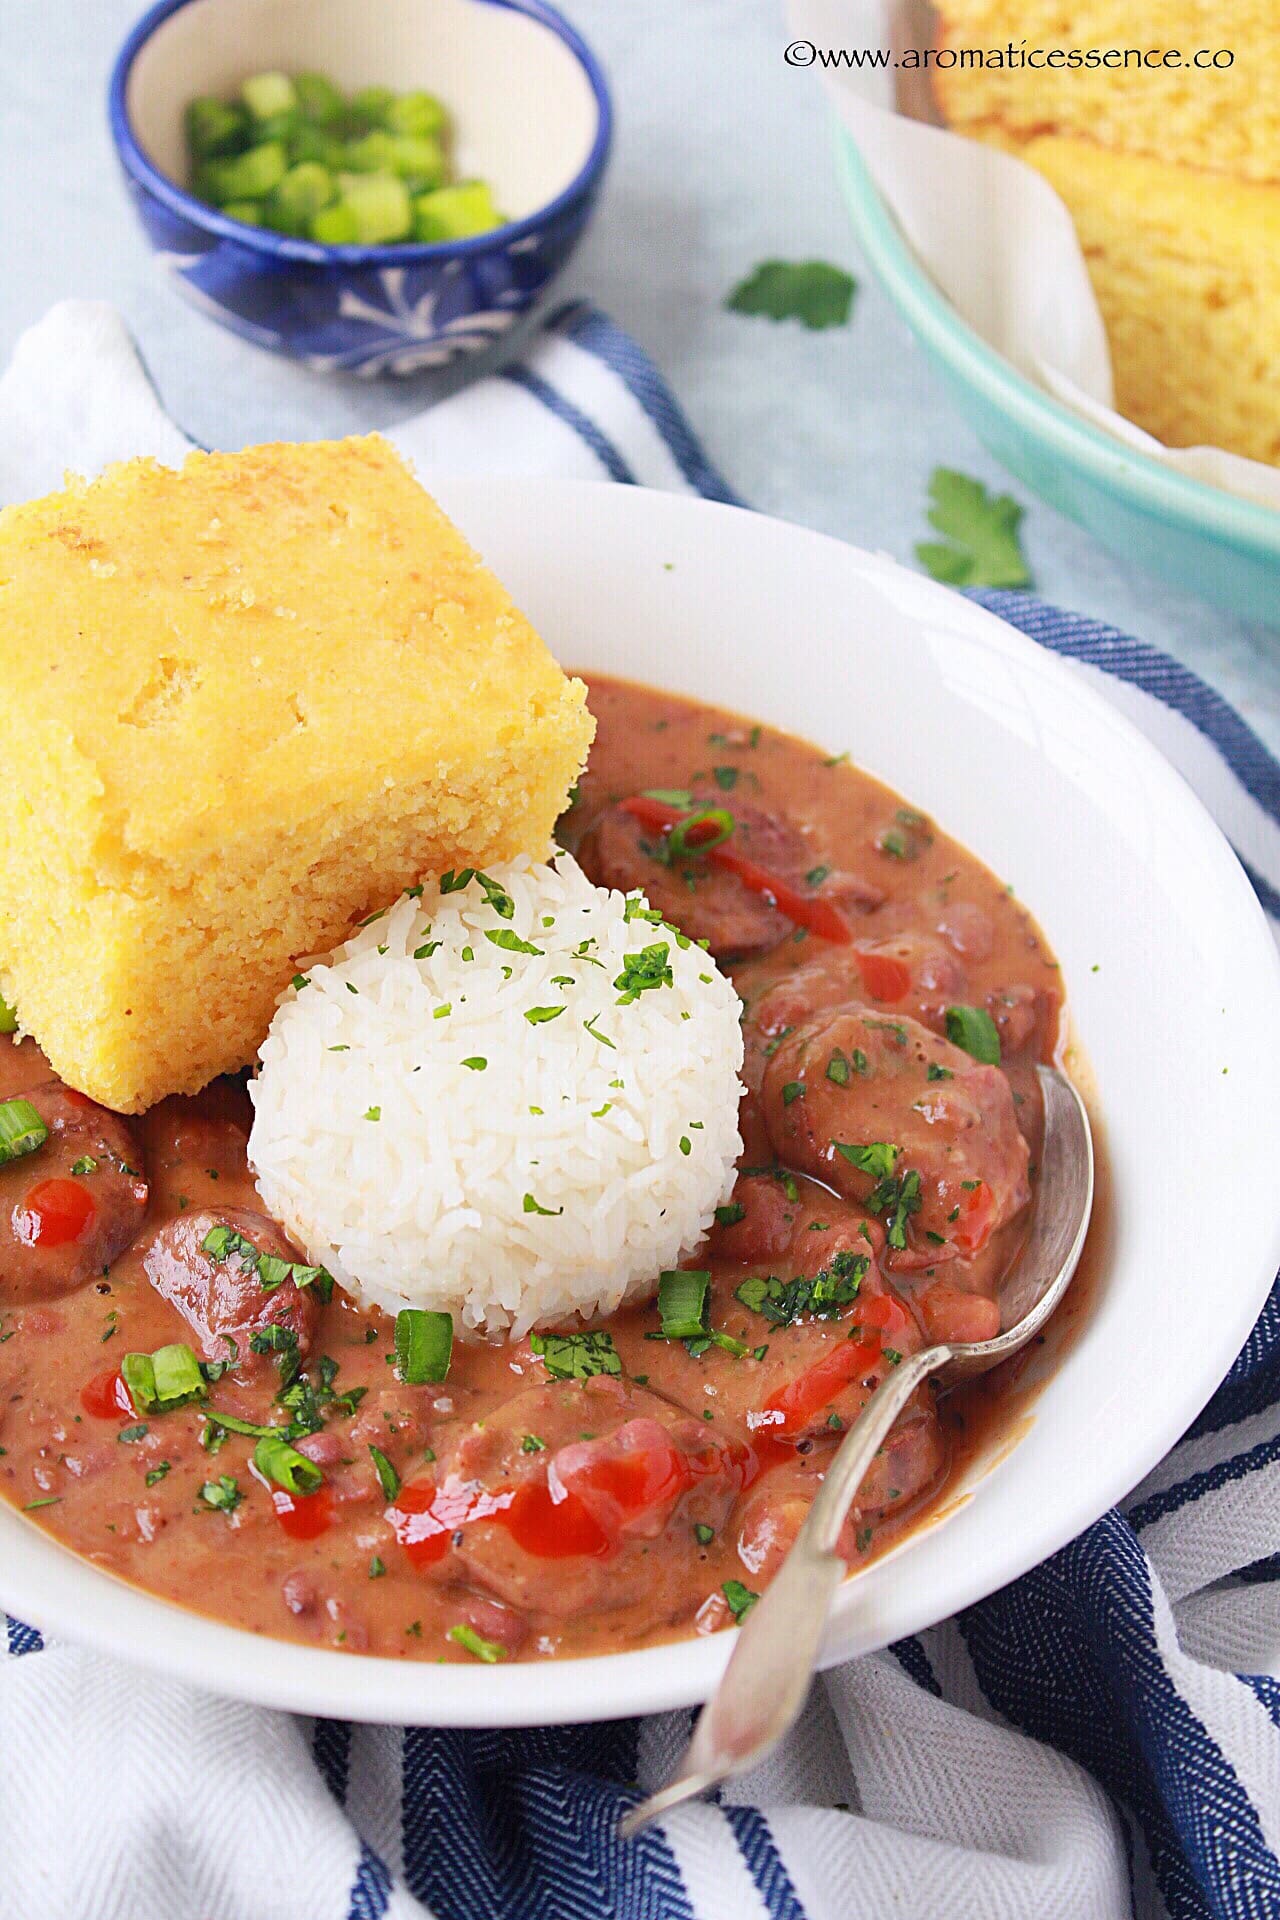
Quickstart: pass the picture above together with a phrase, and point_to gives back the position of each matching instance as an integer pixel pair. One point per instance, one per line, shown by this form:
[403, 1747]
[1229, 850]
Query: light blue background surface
[722, 159]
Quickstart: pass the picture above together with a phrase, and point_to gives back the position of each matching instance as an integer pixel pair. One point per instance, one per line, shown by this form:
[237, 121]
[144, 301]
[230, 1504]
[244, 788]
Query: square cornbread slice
[245, 703]
[1191, 81]
[1186, 268]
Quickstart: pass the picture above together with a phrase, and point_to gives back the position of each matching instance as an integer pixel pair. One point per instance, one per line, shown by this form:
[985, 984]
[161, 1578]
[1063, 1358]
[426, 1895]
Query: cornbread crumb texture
[1226, 119]
[247, 703]
[1186, 269]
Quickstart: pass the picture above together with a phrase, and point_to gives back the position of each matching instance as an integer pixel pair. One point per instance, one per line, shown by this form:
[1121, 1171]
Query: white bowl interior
[523, 110]
[1022, 758]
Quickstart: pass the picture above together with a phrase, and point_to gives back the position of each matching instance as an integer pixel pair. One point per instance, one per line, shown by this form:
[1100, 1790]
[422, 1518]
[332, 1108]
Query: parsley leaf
[782, 1302]
[811, 291]
[983, 529]
[576, 1356]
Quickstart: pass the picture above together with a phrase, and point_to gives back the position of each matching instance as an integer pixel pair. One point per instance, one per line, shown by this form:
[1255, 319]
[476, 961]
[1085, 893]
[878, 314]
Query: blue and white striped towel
[1100, 1741]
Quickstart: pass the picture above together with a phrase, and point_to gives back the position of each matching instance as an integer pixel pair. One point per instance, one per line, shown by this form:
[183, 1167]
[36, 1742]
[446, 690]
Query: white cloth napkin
[932, 1779]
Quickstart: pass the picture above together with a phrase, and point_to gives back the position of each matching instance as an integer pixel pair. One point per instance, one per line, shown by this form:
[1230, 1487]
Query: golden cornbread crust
[1224, 118]
[246, 703]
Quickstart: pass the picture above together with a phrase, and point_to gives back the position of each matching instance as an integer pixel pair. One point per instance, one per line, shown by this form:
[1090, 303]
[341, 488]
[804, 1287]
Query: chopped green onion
[487, 1650]
[712, 826]
[160, 1381]
[424, 1345]
[233, 1424]
[669, 796]
[973, 1029]
[682, 1303]
[276, 1460]
[21, 1130]
[388, 1478]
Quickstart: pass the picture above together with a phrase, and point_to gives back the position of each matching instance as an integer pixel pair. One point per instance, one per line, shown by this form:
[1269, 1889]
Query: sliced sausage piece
[574, 1497]
[224, 1299]
[843, 1092]
[705, 901]
[72, 1207]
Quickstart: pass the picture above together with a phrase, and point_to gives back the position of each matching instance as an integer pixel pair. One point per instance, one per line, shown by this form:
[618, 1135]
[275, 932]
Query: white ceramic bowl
[1016, 754]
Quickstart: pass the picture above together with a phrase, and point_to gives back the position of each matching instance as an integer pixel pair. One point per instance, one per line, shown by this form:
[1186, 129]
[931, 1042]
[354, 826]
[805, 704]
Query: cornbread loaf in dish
[248, 702]
[1185, 266]
[1171, 174]
[1225, 117]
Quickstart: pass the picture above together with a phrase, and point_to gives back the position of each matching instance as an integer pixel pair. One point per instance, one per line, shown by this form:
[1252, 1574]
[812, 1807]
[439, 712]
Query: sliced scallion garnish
[21, 1129]
[487, 1650]
[160, 1381]
[424, 1345]
[682, 1304]
[699, 832]
[277, 1461]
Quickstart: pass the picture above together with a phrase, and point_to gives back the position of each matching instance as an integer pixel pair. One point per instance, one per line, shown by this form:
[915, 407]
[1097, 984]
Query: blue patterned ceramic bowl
[531, 113]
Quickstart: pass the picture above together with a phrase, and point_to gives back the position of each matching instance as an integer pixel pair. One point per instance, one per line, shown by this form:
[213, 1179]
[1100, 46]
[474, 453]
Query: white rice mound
[586, 1155]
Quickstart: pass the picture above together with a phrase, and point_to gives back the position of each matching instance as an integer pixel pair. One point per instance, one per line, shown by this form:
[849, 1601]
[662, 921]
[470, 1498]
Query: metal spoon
[767, 1679]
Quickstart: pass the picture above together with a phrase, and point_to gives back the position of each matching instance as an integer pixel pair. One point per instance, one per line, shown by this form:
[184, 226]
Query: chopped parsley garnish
[935, 1072]
[595, 1033]
[726, 778]
[783, 1301]
[740, 1598]
[487, 1650]
[530, 1205]
[129, 1435]
[811, 291]
[222, 1494]
[222, 1242]
[982, 530]
[476, 1062]
[532, 1444]
[876, 1158]
[377, 1567]
[576, 1356]
[729, 1216]
[373, 1113]
[538, 1016]
[973, 1029]
[899, 1199]
[838, 1068]
[703, 1534]
[157, 1473]
[388, 1478]
[509, 940]
[85, 1164]
[425, 952]
[643, 971]
[794, 1090]
[776, 1042]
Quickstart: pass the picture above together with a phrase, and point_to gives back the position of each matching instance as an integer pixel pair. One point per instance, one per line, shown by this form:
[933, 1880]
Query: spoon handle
[767, 1678]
